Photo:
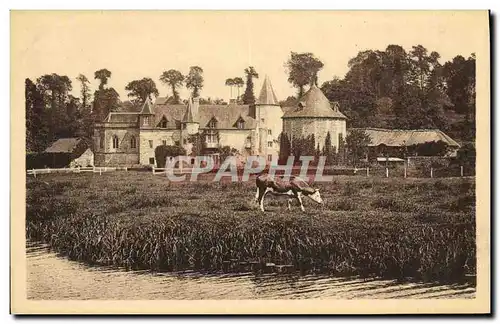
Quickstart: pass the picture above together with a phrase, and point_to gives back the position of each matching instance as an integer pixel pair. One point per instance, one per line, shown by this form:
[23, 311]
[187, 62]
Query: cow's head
[315, 196]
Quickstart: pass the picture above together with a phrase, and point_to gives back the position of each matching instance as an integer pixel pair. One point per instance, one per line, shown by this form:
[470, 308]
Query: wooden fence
[94, 169]
[385, 172]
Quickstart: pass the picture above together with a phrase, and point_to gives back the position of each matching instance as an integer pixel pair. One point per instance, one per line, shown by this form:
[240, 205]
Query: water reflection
[53, 277]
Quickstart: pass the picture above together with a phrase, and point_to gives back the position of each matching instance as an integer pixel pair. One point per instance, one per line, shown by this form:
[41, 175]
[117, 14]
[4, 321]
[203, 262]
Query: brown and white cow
[295, 188]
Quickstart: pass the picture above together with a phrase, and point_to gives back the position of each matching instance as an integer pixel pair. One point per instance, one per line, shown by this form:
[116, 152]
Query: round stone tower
[268, 117]
[315, 115]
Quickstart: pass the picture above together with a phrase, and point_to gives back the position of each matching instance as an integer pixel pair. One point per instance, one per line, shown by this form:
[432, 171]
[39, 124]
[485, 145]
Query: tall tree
[460, 79]
[238, 83]
[248, 96]
[285, 149]
[303, 70]
[357, 142]
[102, 75]
[54, 89]
[84, 90]
[142, 89]
[230, 83]
[328, 150]
[194, 80]
[85, 117]
[105, 99]
[36, 122]
[175, 80]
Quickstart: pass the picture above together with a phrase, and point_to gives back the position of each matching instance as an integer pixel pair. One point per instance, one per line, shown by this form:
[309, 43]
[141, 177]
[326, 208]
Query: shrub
[164, 151]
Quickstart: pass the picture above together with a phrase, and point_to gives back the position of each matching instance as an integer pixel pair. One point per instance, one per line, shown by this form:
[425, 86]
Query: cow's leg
[299, 198]
[290, 203]
[262, 194]
[257, 195]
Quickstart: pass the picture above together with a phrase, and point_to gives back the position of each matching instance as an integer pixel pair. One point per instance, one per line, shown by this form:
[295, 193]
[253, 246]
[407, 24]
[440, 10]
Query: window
[145, 121]
[176, 143]
[152, 160]
[101, 142]
[211, 137]
[269, 157]
[133, 142]
[212, 123]
[150, 144]
[269, 132]
[269, 144]
[262, 120]
[241, 124]
[164, 142]
[115, 141]
[192, 161]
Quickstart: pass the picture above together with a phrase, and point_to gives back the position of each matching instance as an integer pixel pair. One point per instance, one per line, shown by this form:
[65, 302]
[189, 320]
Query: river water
[56, 278]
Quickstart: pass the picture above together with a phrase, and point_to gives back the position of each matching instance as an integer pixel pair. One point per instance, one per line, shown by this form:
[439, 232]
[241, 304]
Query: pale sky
[133, 45]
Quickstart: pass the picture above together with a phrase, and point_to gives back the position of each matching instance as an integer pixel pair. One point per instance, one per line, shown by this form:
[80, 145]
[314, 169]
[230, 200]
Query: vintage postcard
[250, 162]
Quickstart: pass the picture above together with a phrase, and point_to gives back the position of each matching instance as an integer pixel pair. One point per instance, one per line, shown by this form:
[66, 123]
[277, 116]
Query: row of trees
[392, 88]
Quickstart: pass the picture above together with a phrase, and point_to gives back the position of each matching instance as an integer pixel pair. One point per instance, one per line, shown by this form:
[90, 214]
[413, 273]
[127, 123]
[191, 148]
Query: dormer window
[212, 123]
[145, 121]
[302, 105]
[240, 124]
[163, 122]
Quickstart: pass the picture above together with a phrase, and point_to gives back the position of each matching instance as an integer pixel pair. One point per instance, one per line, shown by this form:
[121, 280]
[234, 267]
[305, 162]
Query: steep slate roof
[267, 95]
[314, 105]
[64, 145]
[122, 117]
[188, 116]
[226, 115]
[146, 108]
[402, 137]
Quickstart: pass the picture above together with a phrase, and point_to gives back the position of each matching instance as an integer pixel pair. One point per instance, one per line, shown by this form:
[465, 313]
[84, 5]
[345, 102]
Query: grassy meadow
[395, 228]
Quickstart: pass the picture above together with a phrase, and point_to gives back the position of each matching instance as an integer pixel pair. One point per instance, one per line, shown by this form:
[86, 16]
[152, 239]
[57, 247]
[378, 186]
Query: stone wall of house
[303, 127]
[125, 154]
[236, 139]
[115, 159]
[151, 138]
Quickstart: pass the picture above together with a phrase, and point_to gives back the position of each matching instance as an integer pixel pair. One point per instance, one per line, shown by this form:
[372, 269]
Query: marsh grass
[392, 228]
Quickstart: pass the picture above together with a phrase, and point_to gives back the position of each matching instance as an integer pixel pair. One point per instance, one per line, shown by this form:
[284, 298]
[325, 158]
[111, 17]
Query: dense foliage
[399, 89]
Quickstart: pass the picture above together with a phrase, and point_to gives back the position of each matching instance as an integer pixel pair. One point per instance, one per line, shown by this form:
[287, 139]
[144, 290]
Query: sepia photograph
[250, 161]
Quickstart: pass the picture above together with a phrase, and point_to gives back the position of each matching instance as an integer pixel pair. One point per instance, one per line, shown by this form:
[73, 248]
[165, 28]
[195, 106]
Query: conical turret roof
[267, 95]
[147, 108]
[314, 104]
[188, 116]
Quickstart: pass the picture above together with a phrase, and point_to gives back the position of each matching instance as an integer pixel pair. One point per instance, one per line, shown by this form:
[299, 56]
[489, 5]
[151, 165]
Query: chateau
[130, 138]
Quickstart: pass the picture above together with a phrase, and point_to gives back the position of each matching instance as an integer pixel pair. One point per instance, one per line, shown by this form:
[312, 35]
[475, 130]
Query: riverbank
[50, 277]
[372, 227]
